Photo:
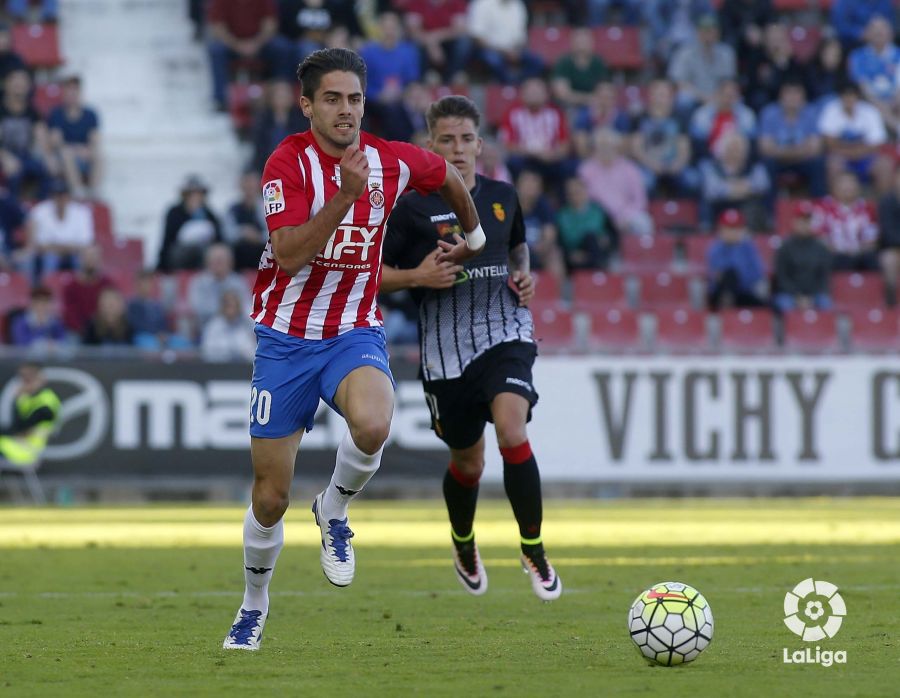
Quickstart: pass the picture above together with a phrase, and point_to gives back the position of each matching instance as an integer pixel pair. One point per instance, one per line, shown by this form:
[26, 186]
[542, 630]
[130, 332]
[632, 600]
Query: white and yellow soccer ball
[670, 623]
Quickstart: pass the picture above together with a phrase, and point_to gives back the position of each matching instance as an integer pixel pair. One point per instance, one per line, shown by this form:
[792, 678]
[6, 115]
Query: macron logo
[520, 383]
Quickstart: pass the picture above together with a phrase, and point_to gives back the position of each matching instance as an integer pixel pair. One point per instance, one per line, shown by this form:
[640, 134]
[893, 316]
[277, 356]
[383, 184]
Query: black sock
[522, 482]
[461, 495]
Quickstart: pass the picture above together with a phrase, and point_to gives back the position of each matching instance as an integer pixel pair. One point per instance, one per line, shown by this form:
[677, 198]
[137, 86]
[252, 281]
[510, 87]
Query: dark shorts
[460, 407]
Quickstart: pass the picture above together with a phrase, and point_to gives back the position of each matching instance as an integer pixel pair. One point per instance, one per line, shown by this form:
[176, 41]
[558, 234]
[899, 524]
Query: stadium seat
[853, 289]
[784, 212]
[767, 246]
[663, 289]
[497, 101]
[553, 327]
[805, 40]
[615, 328]
[675, 214]
[695, 250]
[14, 291]
[811, 331]
[550, 43]
[546, 288]
[241, 97]
[593, 289]
[745, 330]
[56, 281]
[37, 44]
[620, 47]
[46, 97]
[681, 329]
[647, 252]
[103, 227]
[874, 329]
[123, 254]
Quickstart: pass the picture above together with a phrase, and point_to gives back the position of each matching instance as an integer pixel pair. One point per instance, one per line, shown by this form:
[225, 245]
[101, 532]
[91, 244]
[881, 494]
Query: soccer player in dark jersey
[476, 342]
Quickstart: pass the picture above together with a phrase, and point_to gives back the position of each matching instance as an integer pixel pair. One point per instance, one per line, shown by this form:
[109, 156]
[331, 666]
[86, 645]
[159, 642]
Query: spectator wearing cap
[889, 239]
[733, 179]
[38, 326]
[245, 29]
[278, 119]
[81, 293]
[736, 276]
[802, 266]
[19, 9]
[190, 228]
[874, 67]
[724, 114]
[75, 138]
[245, 228]
[439, 28]
[698, 67]
[578, 72]
[616, 183]
[25, 155]
[59, 229]
[849, 18]
[499, 29]
[205, 289]
[789, 140]
[846, 222]
[9, 59]
[853, 131]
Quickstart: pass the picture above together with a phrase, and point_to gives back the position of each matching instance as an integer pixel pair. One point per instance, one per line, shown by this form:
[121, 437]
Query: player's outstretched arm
[295, 246]
[456, 194]
[429, 274]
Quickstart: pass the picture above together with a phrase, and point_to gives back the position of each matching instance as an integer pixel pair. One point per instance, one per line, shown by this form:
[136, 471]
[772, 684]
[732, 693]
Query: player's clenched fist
[354, 172]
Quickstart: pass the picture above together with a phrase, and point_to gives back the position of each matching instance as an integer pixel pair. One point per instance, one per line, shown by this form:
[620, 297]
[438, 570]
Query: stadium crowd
[691, 173]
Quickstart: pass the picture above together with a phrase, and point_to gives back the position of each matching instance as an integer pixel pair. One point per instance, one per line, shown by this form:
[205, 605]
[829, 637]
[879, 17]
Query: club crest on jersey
[273, 197]
[499, 212]
[376, 197]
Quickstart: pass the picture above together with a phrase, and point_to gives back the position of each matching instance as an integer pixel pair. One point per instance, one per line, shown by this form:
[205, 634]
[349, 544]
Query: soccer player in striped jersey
[327, 194]
[476, 342]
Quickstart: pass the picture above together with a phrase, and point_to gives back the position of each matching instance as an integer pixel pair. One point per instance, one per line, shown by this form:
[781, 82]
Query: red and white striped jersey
[846, 228]
[543, 129]
[336, 291]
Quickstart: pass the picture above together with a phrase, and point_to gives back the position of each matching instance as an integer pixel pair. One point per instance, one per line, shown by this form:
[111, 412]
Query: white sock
[261, 548]
[352, 470]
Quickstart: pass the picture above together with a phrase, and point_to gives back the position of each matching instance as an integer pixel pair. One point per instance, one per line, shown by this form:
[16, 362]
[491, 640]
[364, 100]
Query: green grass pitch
[135, 602]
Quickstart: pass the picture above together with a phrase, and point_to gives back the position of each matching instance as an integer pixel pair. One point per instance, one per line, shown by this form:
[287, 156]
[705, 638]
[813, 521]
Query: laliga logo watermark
[814, 610]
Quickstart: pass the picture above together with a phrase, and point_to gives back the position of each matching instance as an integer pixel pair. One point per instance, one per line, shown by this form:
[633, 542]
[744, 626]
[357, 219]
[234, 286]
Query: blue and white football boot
[246, 633]
[336, 556]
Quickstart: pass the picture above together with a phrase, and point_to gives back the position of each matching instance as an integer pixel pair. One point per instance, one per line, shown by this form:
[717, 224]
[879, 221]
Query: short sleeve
[517, 233]
[283, 191]
[427, 170]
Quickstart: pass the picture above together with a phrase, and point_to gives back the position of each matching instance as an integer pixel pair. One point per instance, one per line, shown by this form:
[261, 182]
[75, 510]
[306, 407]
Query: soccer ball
[671, 623]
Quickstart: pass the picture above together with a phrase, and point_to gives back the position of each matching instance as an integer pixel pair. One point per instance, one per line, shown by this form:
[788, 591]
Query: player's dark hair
[329, 60]
[452, 106]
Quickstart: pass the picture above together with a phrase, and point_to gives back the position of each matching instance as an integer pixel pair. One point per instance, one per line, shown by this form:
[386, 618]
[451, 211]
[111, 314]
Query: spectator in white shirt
[59, 228]
[229, 335]
[853, 131]
[500, 31]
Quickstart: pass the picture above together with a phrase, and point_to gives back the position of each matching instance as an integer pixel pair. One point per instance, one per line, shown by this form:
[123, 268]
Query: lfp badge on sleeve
[273, 197]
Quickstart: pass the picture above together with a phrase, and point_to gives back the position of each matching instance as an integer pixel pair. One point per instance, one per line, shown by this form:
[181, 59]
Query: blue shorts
[290, 374]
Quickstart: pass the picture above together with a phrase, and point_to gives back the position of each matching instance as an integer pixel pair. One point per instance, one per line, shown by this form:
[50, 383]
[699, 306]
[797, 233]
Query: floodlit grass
[135, 602]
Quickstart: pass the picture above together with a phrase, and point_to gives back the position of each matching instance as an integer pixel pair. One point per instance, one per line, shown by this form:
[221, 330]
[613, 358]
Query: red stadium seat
[615, 328]
[647, 252]
[593, 289]
[849, 290]
[664, 289]
[123, 254]
[784, 213]
[103, 227]
[37, 44]
[56, 281]
[805, 41]
[675, 214]
[767, 246]
[14, 291]
[695, 250]
[680, 329]
[550, 43]
[553, 327]
[620, 47]
[875, 329]
[241, 98]
[811, 331]
[498, 100]
[546, 288]
[745, 330]
[46, 97]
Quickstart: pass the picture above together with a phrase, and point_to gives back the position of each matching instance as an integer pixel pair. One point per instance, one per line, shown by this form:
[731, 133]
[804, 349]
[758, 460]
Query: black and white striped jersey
[458, 324]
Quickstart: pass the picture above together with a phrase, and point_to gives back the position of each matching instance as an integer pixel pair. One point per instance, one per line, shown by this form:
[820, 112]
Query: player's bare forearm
[429, 274]
[457, 195]
[393, 279]
[296, 246]
[520, 273]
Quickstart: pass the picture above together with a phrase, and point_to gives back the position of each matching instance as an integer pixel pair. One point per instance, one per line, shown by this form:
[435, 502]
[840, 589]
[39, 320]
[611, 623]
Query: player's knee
[471, 466]
[371, 434]
[270, 504]
[510, 432]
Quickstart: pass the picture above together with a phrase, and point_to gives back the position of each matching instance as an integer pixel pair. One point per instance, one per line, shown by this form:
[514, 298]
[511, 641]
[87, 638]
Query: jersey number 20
[260, 406]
